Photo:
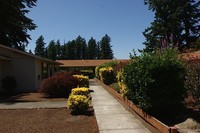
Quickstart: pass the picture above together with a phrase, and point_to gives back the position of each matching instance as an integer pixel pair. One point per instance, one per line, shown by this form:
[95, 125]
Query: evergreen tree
[98, 56]
[51, 50]
[58, 50]
[92, 49]
[176, 23]
[40, 47]
[105, 48]
[14, 24]
[80, 48]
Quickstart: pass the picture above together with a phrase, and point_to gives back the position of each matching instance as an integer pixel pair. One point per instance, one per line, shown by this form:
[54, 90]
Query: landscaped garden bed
[155, 86]
[46, 120]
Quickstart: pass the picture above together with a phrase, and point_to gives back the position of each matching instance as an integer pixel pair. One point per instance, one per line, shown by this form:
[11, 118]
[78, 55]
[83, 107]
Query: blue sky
[123, 20]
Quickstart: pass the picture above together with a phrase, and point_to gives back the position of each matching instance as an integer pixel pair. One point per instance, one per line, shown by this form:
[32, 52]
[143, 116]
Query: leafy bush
[78, 103]
[80, 91]
[115, 86]
[59, 85]
[88, 73]
[155, 82]
[83, 80]
[193, 79]
[107, 64]
[9, 84]
[107, 75]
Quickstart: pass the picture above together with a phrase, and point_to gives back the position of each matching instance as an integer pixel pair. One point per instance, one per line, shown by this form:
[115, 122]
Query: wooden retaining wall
[151, 122]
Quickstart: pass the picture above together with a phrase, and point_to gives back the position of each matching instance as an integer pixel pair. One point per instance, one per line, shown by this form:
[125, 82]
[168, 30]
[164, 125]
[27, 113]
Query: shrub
[83, 80]
[80, 91]
[88, 73]
[193, 79]
[59, 85]
[107, 64]
[9, 84]
[78, 103]
[155, 82]
[121, 84]
[107, 75]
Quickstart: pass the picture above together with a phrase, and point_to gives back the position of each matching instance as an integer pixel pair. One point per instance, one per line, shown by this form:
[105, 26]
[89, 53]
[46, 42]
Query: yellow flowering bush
[84, 80]
[80, 91]
[106, 75]
[78, 103]
[120, 81]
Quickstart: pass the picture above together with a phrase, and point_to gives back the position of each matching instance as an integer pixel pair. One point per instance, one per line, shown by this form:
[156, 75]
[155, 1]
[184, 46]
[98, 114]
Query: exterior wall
[27, 70]
[5, 70]
[24, 73]
[38, 73]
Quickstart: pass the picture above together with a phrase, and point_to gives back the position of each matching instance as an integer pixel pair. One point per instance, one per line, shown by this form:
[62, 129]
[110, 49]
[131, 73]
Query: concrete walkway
[111, 116]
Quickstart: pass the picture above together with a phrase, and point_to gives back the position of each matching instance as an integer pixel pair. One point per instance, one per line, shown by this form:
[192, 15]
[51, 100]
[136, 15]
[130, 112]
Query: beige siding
[25, 68]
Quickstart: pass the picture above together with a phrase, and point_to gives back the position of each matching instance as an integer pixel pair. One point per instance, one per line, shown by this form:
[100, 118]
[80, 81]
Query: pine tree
[51, 50]
[105, 48]
[40, 47]
[14, 24]
[92, 49]
[176, 23]
[80, 48]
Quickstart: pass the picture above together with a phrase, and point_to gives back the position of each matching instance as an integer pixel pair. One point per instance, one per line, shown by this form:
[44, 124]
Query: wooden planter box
[152, 123]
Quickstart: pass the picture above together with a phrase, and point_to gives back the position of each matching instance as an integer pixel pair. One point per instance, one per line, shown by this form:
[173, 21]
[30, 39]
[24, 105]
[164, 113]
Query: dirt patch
[28, 97]
[46, 120]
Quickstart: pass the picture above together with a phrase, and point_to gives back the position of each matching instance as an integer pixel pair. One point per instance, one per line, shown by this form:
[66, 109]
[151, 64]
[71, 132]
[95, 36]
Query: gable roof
[26, 54]
[85, 63]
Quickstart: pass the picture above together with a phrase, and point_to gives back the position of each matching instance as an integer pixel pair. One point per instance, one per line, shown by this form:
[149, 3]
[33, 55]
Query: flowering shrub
[107, 75]
[80, 91]
[78, 103]
[84, 80]
[120, 81]
[105, 65]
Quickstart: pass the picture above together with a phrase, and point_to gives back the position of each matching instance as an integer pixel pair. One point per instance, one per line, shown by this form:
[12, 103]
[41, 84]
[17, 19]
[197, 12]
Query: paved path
[111, 116]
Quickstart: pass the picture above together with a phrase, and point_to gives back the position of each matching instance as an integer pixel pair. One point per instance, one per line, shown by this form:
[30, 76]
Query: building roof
[85, 63]
[26, 54]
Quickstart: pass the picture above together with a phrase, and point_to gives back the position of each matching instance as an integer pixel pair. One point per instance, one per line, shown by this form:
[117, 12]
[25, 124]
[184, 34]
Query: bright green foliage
[84, 80]
[78, 103]
[107, 75]
[155, 81]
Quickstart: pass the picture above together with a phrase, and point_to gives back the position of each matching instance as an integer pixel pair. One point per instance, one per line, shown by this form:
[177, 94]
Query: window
[44, 70]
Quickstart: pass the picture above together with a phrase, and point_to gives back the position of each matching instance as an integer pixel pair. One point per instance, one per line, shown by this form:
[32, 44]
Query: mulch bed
[44, 120]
